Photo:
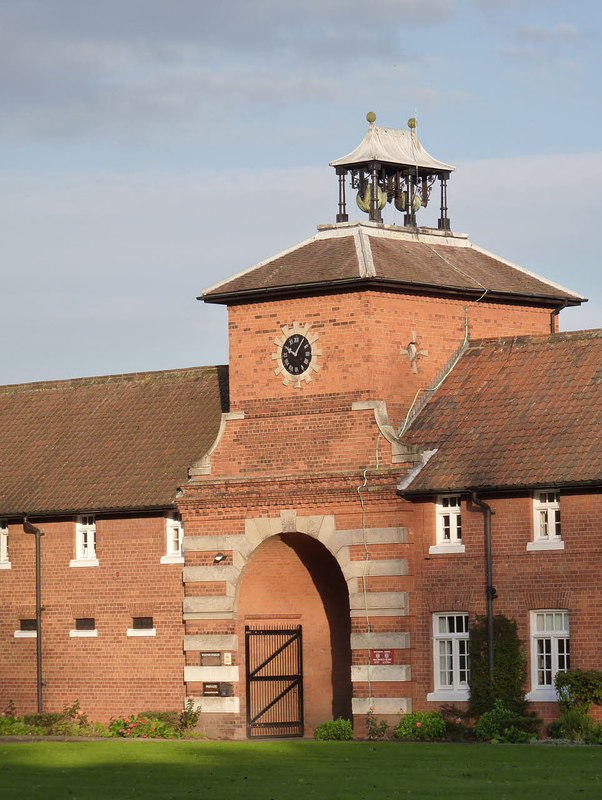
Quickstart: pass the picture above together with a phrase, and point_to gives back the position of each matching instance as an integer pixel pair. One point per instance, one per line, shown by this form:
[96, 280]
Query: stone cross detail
[413, 353]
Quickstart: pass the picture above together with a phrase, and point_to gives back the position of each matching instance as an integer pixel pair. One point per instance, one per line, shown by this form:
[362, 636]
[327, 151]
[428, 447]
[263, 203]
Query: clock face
[296, 354]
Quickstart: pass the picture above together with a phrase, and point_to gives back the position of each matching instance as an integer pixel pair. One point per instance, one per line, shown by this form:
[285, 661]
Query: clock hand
[299, 348]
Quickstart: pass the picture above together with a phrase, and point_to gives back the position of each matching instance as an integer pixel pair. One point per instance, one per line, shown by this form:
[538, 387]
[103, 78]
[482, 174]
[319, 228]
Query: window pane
[28, 625]
[139, 623]
[85, 624]
[445, 663]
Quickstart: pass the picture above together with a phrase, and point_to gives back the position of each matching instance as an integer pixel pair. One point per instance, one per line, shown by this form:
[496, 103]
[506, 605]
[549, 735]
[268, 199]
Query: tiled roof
[354, 253]
[122, 441]
[517, 412]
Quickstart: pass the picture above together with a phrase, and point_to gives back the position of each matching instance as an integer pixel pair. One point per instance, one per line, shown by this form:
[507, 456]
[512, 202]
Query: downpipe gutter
[490, 593]
[29, 528]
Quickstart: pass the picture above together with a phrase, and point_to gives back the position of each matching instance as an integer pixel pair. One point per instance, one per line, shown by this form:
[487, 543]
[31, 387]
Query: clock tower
[296, 539]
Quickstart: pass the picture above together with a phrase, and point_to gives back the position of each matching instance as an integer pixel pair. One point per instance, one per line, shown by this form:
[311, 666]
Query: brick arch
[291, 579]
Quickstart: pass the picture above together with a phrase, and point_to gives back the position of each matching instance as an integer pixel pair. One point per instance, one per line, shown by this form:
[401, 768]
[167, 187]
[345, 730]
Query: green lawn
[294, 770]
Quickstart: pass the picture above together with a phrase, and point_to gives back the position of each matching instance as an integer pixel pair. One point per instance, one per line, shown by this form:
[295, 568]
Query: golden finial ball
[412, 123]
[371, 116]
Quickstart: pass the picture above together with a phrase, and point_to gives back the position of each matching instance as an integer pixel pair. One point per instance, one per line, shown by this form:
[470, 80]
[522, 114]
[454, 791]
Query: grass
[294, 770]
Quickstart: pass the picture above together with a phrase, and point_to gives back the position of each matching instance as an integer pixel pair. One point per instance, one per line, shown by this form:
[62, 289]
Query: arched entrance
[292, 580]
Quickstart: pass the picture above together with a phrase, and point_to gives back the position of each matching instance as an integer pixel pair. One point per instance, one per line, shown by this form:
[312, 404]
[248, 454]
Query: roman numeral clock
[296, 354]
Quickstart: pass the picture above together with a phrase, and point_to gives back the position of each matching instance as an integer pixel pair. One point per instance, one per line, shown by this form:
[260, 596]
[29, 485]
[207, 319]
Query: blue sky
[149, 148]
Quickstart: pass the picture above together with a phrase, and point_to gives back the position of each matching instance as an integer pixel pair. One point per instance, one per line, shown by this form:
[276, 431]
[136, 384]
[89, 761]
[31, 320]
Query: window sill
[175, 558]
[75, 634]
[141, 631]
[448, 696]
[26, 634]
[83, 562]
[545, 544]
[5, 565]
[446, 548]
[546, 695]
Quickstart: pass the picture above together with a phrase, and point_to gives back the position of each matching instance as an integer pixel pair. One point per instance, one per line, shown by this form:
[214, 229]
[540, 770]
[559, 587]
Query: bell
[363, 202]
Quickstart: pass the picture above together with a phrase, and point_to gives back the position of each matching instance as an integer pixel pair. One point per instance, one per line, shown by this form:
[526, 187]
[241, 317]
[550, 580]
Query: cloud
[146, 68]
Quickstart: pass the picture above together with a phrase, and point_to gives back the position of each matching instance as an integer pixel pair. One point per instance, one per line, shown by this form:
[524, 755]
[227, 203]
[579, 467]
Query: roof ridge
[103, 379]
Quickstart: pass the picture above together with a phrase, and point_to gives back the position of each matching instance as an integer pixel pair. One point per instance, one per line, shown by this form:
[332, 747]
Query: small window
[449, 524]
[4, 559]
[142, 623]
[85, 542]
[546, 521]
[451, 666]
[142, 626]
[28, 629]
[550, 651]
[174, 534]
[85, 627]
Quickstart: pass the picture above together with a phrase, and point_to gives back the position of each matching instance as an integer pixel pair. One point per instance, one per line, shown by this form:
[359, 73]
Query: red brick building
[334, 492]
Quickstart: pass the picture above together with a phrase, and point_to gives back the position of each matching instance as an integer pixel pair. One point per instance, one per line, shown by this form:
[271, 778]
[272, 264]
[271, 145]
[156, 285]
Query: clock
[296, 354]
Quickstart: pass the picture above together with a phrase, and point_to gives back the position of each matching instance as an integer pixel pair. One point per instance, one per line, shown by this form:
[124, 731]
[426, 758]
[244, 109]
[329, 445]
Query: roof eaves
[579, 298]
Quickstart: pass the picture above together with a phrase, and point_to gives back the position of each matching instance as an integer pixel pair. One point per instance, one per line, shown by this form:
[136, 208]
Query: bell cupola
[391, 166]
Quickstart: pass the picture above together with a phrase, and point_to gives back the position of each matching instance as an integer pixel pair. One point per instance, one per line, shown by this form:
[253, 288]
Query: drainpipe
[555, 313]
[490, 593]
[29, 528]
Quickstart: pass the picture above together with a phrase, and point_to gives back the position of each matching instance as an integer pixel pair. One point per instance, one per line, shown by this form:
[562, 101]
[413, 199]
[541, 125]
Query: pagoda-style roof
[368, 255]
[107, 443]
[391, 146]
[520, 412]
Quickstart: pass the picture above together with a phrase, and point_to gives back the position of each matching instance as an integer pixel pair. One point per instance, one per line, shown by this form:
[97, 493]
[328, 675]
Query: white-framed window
[546, 521]
[85, 542]
[4, 559]
[550, 651]
[448, 511]
[174, 534]
[451, 662]
[85, 628]
[142, 626]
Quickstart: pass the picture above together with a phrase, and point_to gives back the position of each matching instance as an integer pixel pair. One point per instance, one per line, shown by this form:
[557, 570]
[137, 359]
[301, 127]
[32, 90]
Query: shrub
[139, 727]
[420, 725]
[578, 689]
[501, 724]
[509, 667]
[458, 724]
[71, 721]
[377, 729]
[14, 726]
[189, 717]
[334, 730]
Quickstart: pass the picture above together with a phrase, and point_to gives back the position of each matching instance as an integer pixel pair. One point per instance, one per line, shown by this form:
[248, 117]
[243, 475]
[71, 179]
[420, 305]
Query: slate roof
[114, 442]
[518, 412]
[349, 255]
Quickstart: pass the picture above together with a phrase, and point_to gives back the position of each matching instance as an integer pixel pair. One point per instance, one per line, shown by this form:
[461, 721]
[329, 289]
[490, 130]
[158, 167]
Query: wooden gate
[274, 682]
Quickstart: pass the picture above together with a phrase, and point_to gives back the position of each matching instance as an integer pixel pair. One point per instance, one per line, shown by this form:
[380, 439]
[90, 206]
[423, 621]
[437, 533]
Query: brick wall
[111, 673]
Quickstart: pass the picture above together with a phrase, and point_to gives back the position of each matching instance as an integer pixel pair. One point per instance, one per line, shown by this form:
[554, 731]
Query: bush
[578, 689]
[139, 727]
[421, 725]
[334, 730]
[71, 721]
[501, 724]
[14, 726]
[509, 667]
[458, 724]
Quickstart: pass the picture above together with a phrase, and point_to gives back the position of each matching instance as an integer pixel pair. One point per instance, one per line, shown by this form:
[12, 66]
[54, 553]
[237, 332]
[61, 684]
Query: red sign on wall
[381, 656]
